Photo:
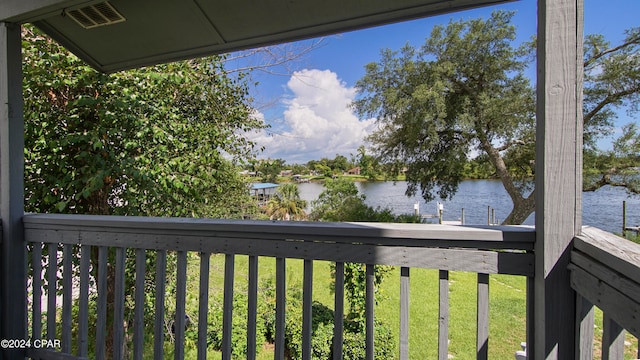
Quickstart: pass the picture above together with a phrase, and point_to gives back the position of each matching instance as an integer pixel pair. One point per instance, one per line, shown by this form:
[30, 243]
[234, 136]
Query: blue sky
[306, 104]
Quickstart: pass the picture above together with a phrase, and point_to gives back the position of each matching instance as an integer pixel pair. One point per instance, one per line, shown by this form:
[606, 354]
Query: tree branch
[510, 144]
[608, 100]
[630, 42]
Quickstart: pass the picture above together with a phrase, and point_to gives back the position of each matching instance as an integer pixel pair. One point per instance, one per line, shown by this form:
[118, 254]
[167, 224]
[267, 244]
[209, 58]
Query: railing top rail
[516, 237]
[617, 253]
[605, 270]
[446, 247]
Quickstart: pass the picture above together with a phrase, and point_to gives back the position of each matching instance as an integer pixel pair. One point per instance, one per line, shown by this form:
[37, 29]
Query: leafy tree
[369, 164]
[153, 141]
[270, 169]
[479, 168]
[341, 201]
[465, 91]
[339, 164]
[618, 167]
[299, 169]
[156, 141]
[338, 202]
[611, 80]
[286, 204]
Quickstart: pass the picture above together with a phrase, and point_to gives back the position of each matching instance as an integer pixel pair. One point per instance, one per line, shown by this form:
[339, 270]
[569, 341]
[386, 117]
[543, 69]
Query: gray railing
[482, 250]
[605, 272]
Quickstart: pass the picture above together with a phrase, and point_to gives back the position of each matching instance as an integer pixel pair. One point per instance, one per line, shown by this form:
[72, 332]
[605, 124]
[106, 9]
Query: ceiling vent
[99, 14]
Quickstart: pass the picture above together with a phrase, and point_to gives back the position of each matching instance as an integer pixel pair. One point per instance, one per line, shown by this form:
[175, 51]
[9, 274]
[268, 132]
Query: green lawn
[507, 306]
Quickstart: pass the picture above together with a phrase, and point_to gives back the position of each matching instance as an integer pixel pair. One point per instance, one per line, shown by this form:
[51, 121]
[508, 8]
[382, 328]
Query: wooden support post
[624, 219]
[13, 297]
[558, 174]
[488, 215]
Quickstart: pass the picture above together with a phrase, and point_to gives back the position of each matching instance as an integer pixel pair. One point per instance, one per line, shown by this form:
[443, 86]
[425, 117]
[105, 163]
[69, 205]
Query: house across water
[262, 192]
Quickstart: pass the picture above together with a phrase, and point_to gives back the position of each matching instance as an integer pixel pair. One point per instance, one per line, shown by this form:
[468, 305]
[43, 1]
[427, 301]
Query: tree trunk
[522, 208]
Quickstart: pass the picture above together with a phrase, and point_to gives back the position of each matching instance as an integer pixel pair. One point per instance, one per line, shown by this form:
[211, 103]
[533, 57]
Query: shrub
[239, 333]
[354, 349]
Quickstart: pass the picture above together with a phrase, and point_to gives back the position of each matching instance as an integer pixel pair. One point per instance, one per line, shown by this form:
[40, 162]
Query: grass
[507, 296]
[507, 305]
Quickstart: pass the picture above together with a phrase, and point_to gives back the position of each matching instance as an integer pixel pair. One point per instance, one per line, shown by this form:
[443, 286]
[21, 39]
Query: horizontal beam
[423, 235]
[312, 241]
[619, 307]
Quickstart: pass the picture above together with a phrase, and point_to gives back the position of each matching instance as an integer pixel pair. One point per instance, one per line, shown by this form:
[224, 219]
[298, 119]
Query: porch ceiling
[157, 31]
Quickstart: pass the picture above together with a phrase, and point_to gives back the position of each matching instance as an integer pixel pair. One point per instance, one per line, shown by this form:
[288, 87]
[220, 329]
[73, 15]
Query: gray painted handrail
[605, 272]
[491, 250]
[447, 248]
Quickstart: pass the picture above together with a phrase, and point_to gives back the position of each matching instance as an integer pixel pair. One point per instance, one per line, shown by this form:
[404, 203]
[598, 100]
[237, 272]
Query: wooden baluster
[252, 308]
[67, 288]
[338, 317]
[118, 305]
[307, 309]
[138, 312]
[203, 308]
[281, 303]
[52, 279]
[179, 322]
[101, 322]
[404, 313]
[36, 256]
[443, 318]
[369, 312]
[584, 324]
[83, 311]
[483, 317]
[227, 317]
[612, 339]
[158, 323]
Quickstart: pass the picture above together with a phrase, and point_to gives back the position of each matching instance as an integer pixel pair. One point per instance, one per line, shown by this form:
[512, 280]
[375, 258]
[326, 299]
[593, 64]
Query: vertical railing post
[181, 295]
[203, 306]
[404, 312]
[227, 317]
[13, 293]
[138, 317]
[307, 310]
[443, 315]
[338, 319]
[558, 190]
[281, 304]
[158, 323]
[482, 347]
[369, 312]
[584, 328]
[252, 308]
[612, 339]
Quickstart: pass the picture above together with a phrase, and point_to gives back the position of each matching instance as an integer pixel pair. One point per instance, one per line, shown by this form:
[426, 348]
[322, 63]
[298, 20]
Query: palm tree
[286, 204]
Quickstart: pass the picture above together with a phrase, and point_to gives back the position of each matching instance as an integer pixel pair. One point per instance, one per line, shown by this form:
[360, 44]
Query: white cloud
[317, 120]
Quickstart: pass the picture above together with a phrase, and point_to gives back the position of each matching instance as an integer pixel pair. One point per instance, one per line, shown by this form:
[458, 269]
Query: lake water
[602, 208]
